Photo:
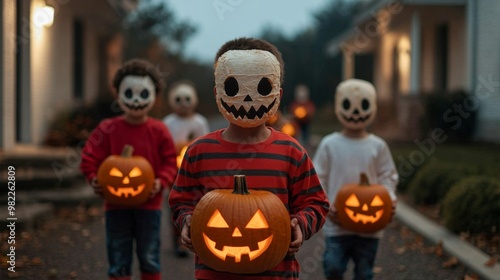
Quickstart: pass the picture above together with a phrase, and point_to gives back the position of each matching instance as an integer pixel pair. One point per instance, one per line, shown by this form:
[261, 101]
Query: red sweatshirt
[151, 140]
[279, 165]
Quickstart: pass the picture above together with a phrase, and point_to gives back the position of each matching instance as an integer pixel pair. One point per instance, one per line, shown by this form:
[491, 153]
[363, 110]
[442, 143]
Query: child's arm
[185, 193]
[387, 174]
[168, 169]
[309, 203]
[95, 150]
[322, 165]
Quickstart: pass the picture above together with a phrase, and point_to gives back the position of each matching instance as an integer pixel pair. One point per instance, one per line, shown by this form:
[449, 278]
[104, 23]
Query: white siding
[488, 70]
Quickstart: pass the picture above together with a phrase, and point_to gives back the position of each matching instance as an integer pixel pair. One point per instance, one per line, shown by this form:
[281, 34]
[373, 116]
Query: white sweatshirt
[339, 160]
[182, 128]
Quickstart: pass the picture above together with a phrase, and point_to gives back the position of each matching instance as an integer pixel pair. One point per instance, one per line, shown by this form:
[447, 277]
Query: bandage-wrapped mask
[355, 103]
[247, 84]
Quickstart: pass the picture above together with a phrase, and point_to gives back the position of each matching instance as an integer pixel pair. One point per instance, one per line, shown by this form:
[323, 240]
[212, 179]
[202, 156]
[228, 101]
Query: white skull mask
[183, 99]
[355, 103]
[247, 84]
[136, 94]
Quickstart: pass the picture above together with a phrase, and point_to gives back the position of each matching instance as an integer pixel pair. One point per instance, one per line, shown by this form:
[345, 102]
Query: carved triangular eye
[377, 201]
[258, 221]
[115, 172]
[135, 172]
[352, 201]
[217, 221]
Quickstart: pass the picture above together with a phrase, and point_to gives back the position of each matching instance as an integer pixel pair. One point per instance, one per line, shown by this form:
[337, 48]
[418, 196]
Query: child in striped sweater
[248, 77]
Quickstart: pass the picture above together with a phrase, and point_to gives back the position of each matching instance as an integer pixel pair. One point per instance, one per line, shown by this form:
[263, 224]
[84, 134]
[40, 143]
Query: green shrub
[431, 182]
[473, 205]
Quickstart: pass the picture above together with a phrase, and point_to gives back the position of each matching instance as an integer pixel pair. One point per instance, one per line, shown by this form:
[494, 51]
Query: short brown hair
[253, 44]
[138, 67]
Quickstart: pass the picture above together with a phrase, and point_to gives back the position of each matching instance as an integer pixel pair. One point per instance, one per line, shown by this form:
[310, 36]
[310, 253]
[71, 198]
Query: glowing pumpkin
[300, 112]
[126, 179]
[240, 230]
[180, 156]
[363, 207]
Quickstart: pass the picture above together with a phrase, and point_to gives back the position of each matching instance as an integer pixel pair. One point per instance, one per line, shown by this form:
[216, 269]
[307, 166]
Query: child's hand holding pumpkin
[186, 234]
[95, 185]
[297, 237]
[156, 188]
[333, 216]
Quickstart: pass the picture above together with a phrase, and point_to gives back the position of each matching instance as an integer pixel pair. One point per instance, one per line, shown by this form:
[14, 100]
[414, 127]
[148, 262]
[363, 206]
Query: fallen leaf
[405, 232]
[439, 249]
[72, 275]
[451, 262]
[377, 269]
[65, 239]
[491, 262]
[36, 261]
[85, 232]
[471, 277]
[400, 250]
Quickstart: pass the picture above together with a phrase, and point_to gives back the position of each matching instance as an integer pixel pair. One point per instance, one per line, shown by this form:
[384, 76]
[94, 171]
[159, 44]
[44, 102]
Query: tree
[305, 56]
[154, 24]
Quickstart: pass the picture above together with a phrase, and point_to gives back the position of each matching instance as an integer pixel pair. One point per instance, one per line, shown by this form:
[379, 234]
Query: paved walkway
[71, 245]
[57, 239]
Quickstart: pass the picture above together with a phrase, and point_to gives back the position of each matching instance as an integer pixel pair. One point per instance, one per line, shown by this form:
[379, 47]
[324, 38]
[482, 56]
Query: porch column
[415, 53]
[348, 65]
[7, 74]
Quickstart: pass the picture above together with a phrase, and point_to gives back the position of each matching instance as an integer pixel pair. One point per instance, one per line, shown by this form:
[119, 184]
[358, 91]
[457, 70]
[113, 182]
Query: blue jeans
[340, 249]
[125, 226]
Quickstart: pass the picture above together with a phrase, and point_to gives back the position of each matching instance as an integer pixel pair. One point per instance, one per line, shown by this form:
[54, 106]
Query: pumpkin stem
[127, 151]
[240, 185]
[363, 180]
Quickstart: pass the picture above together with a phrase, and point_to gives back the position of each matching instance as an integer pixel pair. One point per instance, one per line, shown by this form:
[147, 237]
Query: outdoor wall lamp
[44, 15]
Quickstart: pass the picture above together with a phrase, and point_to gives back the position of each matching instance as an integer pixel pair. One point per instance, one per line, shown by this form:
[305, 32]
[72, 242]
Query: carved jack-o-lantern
[181, 150]
[363, 207]
[126, 179]
[247, 85]
[240, 230]
[355, 103]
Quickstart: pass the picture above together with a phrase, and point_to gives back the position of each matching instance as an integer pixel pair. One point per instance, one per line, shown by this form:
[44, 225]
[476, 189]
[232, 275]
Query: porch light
[44, 16]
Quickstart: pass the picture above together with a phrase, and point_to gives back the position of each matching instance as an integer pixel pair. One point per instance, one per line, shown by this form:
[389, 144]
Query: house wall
[51, 70]
[396, 38]
[7, 73]
[52, 61]
[455, 18]
[487, 79]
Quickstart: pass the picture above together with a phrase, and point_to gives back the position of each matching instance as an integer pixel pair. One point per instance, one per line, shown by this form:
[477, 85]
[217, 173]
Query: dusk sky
[219, 21]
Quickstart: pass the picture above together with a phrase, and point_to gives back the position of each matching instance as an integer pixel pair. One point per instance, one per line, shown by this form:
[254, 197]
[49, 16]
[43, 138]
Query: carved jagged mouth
[237, 251]
[357, 217]
[127, 191]
[359, 119]
[241, 112]
[136, 107]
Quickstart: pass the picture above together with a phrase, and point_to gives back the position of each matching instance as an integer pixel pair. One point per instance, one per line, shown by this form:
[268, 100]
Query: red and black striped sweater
[279, 165]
